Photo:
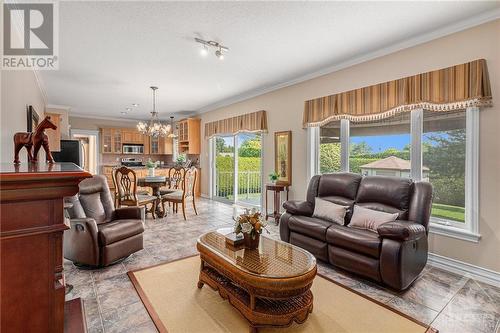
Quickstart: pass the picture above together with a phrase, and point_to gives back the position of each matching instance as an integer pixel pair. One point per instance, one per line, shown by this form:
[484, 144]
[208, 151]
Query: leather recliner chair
[394, 256]
[100, 234]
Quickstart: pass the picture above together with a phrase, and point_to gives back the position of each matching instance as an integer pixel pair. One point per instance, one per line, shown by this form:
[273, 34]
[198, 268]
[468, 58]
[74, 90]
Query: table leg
[159, 213]
[277, 199]
[266, 205]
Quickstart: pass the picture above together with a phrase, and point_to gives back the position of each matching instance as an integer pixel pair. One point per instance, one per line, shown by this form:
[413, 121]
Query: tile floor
[449, 302]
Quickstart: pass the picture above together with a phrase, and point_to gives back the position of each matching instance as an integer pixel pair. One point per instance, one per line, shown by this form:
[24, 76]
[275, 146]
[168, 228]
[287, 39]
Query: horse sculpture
[35, 139]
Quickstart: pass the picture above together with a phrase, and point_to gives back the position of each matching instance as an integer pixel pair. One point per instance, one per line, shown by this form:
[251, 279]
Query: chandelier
[154, 128]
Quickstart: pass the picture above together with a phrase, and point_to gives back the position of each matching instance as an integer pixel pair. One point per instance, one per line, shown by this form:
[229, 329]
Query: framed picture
[283, 156]
[31, 119]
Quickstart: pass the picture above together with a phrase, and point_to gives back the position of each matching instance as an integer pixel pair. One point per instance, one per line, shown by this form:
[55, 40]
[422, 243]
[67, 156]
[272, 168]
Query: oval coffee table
[269, 286]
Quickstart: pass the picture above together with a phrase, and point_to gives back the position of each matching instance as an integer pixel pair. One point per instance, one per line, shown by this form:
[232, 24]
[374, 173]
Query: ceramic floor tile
[117, 282]
[124, 318]
[107, 272]
[414, 310]
[116, 298]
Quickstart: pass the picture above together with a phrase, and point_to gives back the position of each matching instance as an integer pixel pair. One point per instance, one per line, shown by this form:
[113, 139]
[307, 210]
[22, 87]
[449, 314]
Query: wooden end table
[270, 286]
[277, 189]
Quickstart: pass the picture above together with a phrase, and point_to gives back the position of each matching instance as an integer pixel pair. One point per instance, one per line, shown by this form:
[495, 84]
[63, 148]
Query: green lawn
[454, 213]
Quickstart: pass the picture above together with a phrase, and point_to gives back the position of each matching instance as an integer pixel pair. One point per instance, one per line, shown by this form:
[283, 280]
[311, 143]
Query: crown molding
[87, 116]
[441, 32]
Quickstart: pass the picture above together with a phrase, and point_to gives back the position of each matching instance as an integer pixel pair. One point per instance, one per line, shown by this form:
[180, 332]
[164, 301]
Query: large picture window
[439, 147]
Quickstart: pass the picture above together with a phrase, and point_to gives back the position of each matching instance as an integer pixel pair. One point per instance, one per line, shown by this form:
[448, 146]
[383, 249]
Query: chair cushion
[145, 198]
[357, 240]
[117, 230]
[174, 195]
[310, 226]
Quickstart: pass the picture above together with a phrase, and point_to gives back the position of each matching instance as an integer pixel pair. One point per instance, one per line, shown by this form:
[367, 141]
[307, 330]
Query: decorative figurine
[37, 139]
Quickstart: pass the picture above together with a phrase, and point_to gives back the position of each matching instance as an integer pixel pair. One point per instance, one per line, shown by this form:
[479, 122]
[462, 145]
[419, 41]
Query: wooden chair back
[176, 175]
[189, 182]
[125, 180]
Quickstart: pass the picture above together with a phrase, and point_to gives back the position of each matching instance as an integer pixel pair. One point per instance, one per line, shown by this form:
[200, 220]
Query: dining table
[155, 183]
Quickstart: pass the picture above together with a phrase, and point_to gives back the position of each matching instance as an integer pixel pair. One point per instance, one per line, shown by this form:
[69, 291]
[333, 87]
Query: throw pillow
[329, 211]
[364, 218]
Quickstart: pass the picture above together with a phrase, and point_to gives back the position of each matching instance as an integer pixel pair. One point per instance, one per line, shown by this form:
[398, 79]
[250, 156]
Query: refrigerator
[71, 151]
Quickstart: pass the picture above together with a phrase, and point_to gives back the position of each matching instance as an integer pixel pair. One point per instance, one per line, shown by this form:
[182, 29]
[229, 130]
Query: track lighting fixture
[220, 49]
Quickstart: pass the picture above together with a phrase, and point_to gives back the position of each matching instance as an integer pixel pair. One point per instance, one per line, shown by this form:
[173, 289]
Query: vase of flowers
[251, 224]
[273, 177]
[151, 167]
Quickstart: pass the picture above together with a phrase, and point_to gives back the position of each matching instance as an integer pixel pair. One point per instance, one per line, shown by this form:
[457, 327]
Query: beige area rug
[175, 304]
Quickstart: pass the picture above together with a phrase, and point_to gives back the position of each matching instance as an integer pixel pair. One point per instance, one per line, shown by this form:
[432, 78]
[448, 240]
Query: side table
[277, 189]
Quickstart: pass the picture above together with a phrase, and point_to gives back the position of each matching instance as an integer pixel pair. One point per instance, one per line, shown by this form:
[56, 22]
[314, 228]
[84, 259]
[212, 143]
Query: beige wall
[64, 120]
[95, 124]
[285, 107]
[19, 89]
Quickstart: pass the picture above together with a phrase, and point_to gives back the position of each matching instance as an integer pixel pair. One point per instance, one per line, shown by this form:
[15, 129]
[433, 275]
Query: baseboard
[466, 269]
[203, 195]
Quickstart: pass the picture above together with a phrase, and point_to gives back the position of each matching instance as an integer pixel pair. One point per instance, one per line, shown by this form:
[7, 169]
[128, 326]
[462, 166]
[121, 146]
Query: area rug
[175, 304]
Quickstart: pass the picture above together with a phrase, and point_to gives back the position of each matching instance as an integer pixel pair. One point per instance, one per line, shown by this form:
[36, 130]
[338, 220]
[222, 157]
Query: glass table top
[273, 258]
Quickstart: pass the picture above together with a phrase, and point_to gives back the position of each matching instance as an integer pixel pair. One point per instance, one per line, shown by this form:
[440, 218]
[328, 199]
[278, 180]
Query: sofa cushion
[356, 240]
[385, 193]
[119, 229]
[329, 211]
[93, 207]
[370, 219]
[310, 226]
[341, 184]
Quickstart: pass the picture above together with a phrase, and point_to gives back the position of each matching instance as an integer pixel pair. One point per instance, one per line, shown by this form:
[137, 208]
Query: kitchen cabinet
[111, 141]
[54, 135]
[130, 135]
[161, 146]
[189, 136]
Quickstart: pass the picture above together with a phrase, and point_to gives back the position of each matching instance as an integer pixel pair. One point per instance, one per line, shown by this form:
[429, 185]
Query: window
[443, 151]
[381, 148]
[439, 147]
[329, 148]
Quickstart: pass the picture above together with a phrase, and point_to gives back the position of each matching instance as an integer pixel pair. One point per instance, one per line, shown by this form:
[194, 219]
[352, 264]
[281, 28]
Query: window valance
[250, 122]
[447, 89]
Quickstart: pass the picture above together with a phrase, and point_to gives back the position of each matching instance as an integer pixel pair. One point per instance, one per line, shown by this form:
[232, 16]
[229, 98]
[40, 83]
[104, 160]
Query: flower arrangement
[273, 176]
[251, 224]
[151, 165]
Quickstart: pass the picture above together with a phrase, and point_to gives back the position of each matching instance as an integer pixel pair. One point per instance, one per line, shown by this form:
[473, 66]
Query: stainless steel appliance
[133, 148]
[132, 162]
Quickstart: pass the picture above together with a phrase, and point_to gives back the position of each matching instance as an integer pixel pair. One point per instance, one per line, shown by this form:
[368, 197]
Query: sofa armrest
[80, 242]
[296, 207]
[129, 213]
[401, 230]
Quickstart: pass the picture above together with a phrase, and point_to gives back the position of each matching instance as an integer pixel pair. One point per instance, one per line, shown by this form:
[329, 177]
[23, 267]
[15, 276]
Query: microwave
[133, 149]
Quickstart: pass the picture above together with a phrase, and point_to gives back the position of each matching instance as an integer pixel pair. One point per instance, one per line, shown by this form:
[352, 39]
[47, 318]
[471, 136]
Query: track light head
[219, 54]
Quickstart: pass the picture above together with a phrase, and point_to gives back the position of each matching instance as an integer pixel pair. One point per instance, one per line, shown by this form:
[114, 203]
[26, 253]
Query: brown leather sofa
[394, 256]
[100, 234]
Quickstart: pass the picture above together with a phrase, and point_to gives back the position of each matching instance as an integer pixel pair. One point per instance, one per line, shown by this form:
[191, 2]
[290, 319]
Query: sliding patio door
[237, 169]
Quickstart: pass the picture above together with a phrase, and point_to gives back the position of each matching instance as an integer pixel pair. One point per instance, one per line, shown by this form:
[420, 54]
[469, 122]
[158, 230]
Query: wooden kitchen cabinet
[189, 136]
[54, 135]
[161, 146]
[130, 135]
[111, 140]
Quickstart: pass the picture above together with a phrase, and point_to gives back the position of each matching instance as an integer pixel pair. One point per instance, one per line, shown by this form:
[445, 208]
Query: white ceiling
[111, 52]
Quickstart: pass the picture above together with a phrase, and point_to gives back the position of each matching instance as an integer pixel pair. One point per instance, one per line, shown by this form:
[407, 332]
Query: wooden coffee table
[269, 286]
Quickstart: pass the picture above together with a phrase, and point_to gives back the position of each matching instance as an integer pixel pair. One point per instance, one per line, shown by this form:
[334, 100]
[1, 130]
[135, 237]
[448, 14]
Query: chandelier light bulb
[219, 54]
[204, 51]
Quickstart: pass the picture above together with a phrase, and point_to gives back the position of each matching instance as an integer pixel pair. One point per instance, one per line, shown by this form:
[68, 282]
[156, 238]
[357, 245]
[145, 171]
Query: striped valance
[250, 122]
[448, 89]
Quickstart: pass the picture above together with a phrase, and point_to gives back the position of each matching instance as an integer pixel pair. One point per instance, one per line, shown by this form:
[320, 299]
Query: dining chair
[125, 181]
[115, 190]
[175, 176]
[185, 191]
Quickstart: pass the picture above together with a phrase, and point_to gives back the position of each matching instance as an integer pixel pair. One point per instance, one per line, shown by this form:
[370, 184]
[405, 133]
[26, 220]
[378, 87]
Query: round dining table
[155, 183]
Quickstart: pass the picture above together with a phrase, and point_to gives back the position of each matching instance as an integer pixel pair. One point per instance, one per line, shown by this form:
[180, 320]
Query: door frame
[95, 133]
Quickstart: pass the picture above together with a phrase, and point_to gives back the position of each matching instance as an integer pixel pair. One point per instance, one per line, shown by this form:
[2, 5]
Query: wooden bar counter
[32, 226]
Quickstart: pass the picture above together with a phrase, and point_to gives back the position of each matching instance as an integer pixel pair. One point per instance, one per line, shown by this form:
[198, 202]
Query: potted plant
[251, 224]
[273, 177]
[151, 167]
[180, 160]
